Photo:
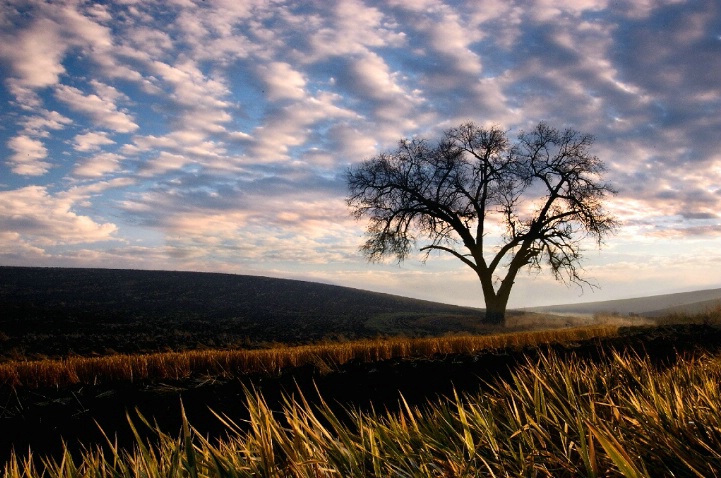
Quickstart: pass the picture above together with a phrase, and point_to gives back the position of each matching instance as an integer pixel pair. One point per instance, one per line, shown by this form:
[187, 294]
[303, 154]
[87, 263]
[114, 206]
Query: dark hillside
[56, 311]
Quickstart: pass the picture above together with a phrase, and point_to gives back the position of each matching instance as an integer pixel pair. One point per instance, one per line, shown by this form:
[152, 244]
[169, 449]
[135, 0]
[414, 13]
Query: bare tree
[544, 192]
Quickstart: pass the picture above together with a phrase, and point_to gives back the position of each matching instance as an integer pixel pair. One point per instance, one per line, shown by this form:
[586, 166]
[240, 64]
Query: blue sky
[214, 135]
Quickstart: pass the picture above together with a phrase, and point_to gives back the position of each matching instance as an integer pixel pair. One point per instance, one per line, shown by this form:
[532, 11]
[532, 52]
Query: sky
[215, 135]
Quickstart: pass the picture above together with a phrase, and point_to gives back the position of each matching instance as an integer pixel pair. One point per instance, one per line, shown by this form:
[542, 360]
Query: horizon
[630, 298]
[214, 136]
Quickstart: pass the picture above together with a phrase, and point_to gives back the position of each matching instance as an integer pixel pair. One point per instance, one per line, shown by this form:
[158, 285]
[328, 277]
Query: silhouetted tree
[540, 196]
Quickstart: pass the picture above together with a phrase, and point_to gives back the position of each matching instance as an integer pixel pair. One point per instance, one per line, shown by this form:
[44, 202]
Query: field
[587, 400]
[53, 313]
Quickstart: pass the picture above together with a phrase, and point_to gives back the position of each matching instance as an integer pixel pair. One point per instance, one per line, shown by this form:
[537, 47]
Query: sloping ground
[688, 309]
[653, 306]
[55, 311]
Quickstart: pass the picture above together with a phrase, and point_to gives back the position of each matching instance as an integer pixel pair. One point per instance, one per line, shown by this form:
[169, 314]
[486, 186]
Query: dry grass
[622, 416]
[709, 316]
[233, 363]
[536, 321]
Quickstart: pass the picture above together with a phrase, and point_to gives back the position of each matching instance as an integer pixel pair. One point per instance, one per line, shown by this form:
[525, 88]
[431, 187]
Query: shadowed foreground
[620, 415]
[547, 408]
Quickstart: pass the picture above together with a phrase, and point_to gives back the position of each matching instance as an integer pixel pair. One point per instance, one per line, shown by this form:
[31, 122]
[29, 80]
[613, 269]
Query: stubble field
[591, 400]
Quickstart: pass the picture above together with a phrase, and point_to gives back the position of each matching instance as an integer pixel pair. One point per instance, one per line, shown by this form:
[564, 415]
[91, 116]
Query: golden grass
[622, 416]
[232, 363]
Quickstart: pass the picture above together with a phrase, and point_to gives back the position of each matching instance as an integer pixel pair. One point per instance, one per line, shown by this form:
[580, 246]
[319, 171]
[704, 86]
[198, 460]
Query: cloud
[197, 99]
[217, 133]
[171, 152]
[349, 144]
[377, 92]
[46, 220]
[241, 223]
[282, 81]
[39, 125]
[443, 35]
[289, 127]
[35, 54]
[14, 249]
[153, 43]
[92, 141]
[98, 165]
[163, 163]
[100, 107]
[28, 157]
[348, 28]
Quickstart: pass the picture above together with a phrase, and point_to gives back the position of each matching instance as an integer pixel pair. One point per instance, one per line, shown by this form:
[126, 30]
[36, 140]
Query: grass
[233, 363]
[555, 417]
[616, 414]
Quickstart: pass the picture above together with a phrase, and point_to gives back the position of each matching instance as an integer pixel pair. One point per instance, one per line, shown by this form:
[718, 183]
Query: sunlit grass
[554, 417]
[224, 364]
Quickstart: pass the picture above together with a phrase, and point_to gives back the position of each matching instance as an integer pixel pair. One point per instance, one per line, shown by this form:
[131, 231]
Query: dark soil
[43, 419]
[55, 312]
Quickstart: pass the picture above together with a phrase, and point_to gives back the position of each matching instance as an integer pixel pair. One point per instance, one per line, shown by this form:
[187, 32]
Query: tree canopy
[544, 192]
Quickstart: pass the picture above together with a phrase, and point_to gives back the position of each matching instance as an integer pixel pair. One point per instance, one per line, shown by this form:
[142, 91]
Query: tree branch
[460, 256]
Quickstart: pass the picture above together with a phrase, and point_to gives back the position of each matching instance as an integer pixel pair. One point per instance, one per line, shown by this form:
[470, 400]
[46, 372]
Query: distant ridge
[652, 306]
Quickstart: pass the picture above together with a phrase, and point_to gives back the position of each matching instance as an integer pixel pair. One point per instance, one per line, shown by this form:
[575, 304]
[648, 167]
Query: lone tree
[540, 196]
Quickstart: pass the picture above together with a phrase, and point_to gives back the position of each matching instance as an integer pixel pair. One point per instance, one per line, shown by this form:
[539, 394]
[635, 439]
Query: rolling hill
[652, 306]
[61, 311]
[56, 311]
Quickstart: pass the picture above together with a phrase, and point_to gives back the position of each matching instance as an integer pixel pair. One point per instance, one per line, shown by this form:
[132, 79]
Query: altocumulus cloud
[214, 135]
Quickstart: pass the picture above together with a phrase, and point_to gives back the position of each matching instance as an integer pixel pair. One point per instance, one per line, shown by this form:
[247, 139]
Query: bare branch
[447, 194]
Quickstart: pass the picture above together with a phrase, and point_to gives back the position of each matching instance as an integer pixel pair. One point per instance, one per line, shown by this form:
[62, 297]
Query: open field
[58, 313]
[554, 412]
[394, 388]
[421, 370]
[230, 364]
[61, 312]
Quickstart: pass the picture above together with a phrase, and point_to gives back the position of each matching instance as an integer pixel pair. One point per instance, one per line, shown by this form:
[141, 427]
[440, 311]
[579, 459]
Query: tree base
[495, 317]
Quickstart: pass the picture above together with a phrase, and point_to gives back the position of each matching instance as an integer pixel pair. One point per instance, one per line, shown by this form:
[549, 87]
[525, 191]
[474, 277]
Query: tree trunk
[495, 301]
[496, 310]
